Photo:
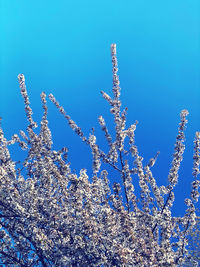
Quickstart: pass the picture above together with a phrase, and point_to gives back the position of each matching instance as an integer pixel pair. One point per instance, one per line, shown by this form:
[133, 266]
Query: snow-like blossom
[51, 216]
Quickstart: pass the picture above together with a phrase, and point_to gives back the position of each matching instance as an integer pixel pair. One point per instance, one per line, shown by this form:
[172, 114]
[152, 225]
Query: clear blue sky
[63, 47]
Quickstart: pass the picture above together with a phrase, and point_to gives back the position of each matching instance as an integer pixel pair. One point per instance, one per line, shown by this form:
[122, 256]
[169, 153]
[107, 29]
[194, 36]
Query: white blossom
[50, 216]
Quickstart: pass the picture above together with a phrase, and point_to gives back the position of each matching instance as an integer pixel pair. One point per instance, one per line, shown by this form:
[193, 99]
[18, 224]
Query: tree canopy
[50, 216]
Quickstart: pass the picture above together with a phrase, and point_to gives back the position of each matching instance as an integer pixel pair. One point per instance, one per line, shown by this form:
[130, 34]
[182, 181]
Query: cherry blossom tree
[51, 216]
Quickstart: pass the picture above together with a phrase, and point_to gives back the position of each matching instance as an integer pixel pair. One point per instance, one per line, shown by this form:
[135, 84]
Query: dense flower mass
[50, 216]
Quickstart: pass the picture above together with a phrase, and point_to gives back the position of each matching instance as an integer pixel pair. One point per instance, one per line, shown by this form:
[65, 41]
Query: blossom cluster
[51, 216]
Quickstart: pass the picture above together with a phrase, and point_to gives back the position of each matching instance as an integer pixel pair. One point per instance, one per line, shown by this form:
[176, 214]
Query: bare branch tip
[21, 78]
[184, 112]
[197, 134]
[113, 49]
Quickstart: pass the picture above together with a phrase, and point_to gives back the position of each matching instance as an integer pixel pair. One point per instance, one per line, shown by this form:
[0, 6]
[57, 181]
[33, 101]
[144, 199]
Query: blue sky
[63, 47]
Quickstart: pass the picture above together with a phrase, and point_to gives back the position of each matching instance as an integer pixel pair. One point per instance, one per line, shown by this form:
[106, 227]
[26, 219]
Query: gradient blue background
[63, 47]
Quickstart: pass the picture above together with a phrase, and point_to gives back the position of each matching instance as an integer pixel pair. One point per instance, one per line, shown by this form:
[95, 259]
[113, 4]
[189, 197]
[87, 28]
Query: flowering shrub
[50, 216]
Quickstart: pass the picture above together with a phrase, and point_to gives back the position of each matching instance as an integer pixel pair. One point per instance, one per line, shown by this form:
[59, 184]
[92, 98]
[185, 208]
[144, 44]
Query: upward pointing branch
[116, 88]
